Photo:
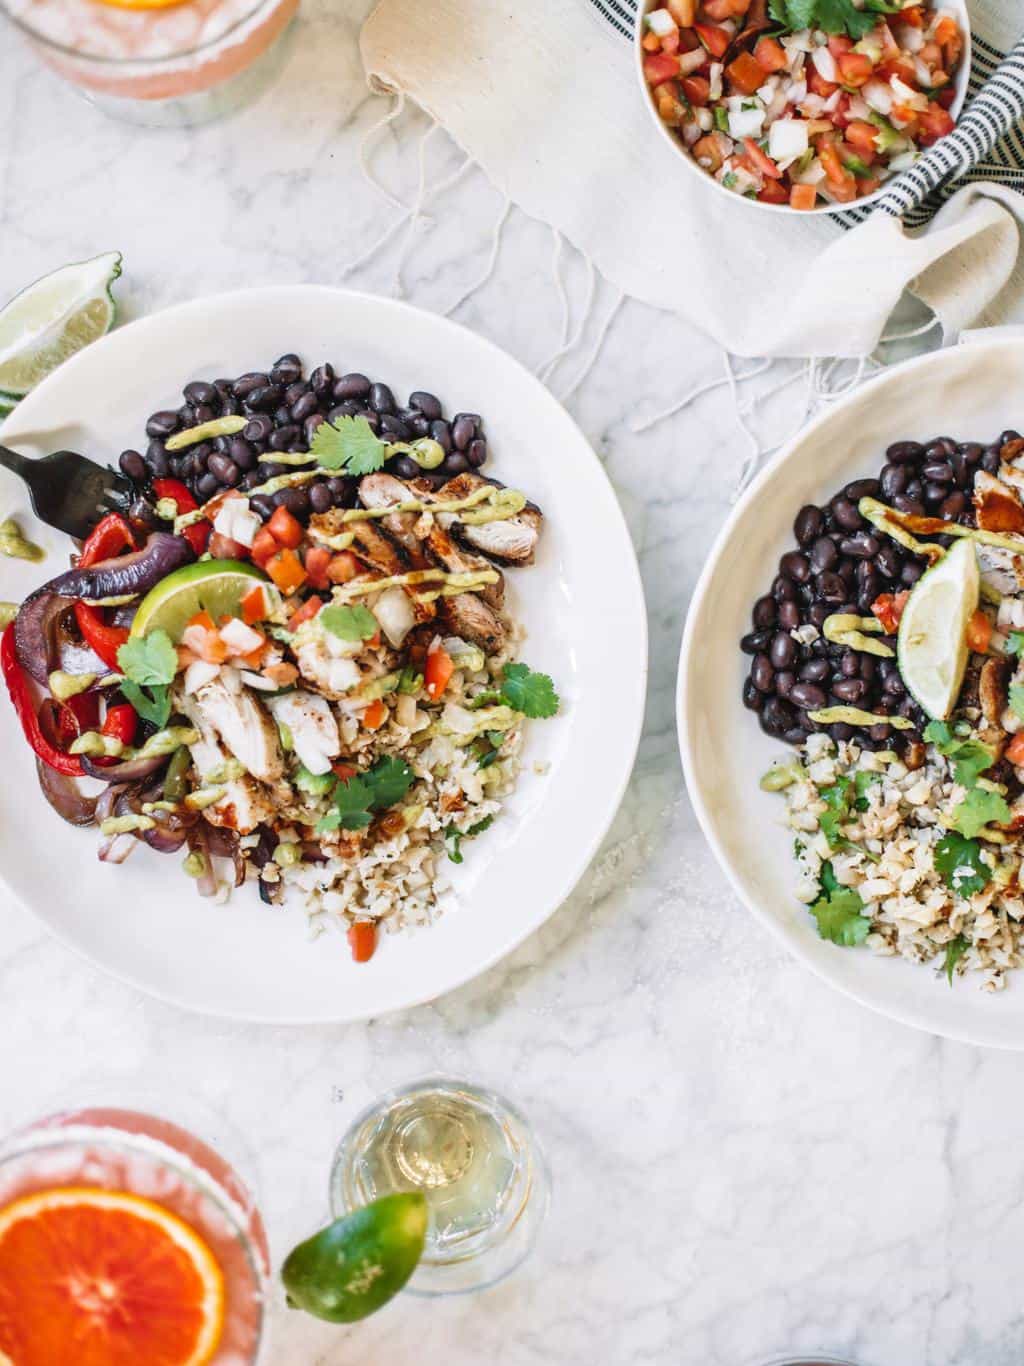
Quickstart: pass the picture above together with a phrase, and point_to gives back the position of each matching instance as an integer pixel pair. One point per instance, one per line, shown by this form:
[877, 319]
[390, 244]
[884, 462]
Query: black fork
[68, 491]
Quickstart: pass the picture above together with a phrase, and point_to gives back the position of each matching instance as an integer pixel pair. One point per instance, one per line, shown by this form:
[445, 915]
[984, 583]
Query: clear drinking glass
[170, 66]
[135, 1153]
[475, 1159]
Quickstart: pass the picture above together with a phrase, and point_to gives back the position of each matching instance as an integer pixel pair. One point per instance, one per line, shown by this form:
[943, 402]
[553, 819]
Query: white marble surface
[744, 1162]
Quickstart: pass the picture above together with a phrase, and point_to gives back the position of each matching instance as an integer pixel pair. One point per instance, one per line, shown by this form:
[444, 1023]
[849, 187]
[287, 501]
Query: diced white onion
[705, 119]
[239, 638]
[659, 21]
[393, 610]
[257, 681]
[691, 132]
[903, 161]
[797, 92]
[825, 64]
[857, 108]
[910, 39]
[812, 174]
[903, 94]
[200, 673]
[787, 138]
[832, 103]
[715, 80]
[236, 521]
[879, 97]
[746, 123]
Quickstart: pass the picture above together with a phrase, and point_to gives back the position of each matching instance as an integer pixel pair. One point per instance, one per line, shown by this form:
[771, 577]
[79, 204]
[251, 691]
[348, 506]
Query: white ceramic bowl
[582, 606]
[958, 7]
[970, 392]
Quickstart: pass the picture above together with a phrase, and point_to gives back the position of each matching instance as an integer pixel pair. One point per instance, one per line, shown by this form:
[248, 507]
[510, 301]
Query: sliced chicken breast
[245, 728]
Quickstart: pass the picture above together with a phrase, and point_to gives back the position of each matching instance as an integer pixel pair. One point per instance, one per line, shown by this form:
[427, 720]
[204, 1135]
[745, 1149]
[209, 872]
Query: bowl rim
[823, 210]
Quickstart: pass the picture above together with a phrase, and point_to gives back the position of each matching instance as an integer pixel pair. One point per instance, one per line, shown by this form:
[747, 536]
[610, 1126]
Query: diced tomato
[254, 605]
[282, 675]
[204, 642]
[745, 74]
[651, 42]
[863, 156]
[670, 42]
[437, 672]
[203, 620]
[719, 10]
[1015, 750]
[868, 184]
[835, 172]
[682, 11]
[715, 39]
[285, 529]
[224, 548]
[317, 559]
[285, 568]
[861, 137]
[761, 161]
[263, 546]
[935, 123]
[906, 71]
[362, 940]
[697, 89]
[945, 98]
[888, 608]
[375, 715]
[855, 68]
[840, 114]
[660, 67]
[343, 771]
[931, 54]
[773, 192]
[803, 197]
[308, 610]
[817, 83]
[838, 43]
[914, 17]
[343, 567]
[769, 54]
[979, 631]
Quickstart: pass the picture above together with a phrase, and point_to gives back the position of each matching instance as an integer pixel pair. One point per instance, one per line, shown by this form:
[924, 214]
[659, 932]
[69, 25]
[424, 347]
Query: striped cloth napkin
[543, 95]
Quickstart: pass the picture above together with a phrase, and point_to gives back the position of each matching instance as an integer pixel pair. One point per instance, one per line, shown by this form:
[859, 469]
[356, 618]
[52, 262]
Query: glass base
[474, 1158]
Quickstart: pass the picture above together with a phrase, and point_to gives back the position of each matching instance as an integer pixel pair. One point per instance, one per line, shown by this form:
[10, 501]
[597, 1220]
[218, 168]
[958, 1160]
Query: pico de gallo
[803, 102]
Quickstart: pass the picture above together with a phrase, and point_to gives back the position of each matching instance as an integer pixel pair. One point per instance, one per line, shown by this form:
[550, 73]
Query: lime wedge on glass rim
[931, 649]
[52, 319]
[214, 586]
[354, 1266]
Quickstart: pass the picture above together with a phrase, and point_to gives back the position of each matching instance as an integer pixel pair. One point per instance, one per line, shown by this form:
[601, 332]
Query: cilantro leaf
[959, 863]
[1015, 643]
[839, 917]
[533, 694]
[970, 758]
[837, 798]
[390, 779]
[149, 659]
[360, 796]
[862, 781]
[955, 950]
[153, 703]
[349, 623]
[1017, 699]
[834, 16]
[349, 444]
[453, 838]
[829, 882]
[977, 809]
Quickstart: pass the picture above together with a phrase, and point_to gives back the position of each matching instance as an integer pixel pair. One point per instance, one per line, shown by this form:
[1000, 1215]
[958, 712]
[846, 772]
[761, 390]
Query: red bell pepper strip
[77, 715]
[108, 538]
[102, 639]
[120, 723]
[198, 533]
[17, 686]
[362, 940]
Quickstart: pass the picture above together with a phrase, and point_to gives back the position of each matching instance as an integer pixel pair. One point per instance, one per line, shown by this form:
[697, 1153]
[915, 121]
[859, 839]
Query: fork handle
[17, 464]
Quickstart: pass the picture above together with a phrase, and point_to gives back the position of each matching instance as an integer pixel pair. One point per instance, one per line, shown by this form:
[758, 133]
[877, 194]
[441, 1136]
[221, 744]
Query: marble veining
[744, 1162]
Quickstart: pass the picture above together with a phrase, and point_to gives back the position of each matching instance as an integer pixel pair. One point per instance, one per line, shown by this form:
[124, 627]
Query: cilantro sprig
[149, 664]
[959, 863]
[834, 16]
[1016, 698]
[970, 758]
[839, 912]
[955, 950]
[348, 444]
[979, 808]
[357, 799]
[453, 838]
[531, 694]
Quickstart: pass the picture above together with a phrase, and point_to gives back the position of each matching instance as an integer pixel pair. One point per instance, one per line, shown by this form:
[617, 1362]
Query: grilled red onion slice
[206, 885]
[35, 627]
[64, 795]
[131, 771]
[225, 844]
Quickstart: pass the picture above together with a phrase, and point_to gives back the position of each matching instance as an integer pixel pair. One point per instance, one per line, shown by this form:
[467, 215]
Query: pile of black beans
[284, 408]
[841, 563]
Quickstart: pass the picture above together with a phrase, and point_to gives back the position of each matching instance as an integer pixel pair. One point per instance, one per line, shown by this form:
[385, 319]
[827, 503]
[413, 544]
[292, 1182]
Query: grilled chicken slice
[382, 490]
[313, 727]
[458, 561]
[513, 540]
[245, 728]
[997, 506]
[245, 804]
[468, 617]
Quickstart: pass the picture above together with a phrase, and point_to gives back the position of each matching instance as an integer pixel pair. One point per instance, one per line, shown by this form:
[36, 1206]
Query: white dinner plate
[971, 393]
[582, 605]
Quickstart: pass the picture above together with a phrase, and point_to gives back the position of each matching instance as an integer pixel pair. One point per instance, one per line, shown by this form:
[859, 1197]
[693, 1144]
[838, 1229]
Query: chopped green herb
[411, 682]
[349, 623]
[834, 16]
[1017, 699]
[1015, 643]
[959, 863]
[729, 179]
[153, 703]
[722, 121]
[355, 801]
[955, 950]
[977, 810]
[349, 444]
[453, 838]
[839, 913]
[970, 758]
[531, 693]
[149, 659]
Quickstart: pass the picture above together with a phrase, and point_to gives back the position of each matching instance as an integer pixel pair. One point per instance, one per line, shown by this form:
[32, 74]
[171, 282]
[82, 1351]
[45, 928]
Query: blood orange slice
[99, 1278]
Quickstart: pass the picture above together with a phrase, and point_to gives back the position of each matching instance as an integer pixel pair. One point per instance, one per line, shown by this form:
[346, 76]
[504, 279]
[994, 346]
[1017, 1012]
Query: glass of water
[475, 1159]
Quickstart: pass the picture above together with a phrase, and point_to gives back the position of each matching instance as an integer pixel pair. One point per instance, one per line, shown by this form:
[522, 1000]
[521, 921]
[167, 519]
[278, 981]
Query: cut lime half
[932, 644]
[52, 319]
[214, 586]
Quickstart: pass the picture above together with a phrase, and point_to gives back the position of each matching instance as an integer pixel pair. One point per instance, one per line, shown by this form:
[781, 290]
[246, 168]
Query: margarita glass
[134, 1154]
[168, 65]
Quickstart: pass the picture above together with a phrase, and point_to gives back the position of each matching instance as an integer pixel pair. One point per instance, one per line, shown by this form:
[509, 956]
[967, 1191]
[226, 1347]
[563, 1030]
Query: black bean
[282, 416]
[934, 494]
[910, 573]
[846, 514]
[808, 525]
[284, 438]
[246, 384]
[405, 467]
[893, 480]
[1008, 435]
[371, 417]
[262, 505]
[818, 613]
[201, 455]
[382, 400]
[343, 490]
[264, 398]
[456, 463]
[904, 452]
[863, 546]
[752, 699]
[252, 480]
[763, 613]
[428, 404]
[143, 511]
[295, 500]
[972, 451]
[789, 612]
[755, 642]
[823, 554]
[815, 671]
[847, 571]
[783, 650]
[223, 387]
[199, 391]
[321, 381]
[904, 503]
[840, 731]
[849, 689]
[807, 696]
[849, 664]
[394, 428]
[181, 466]
[417, 424]
[477, 453]
[158, 460]
[938, 471]
[795, 566]
[862, 488]
[868, 664]
[889, 560]
[258, 428]
[133, 465]
[442, 434]
[203, 412]
[778, 716]
[310, 427]
[784, 682]
[340, 411]
[224, 468]
[271, 469]
[207, 485]
[831, 588]
[783, 588]
[463, 432]
[990, 461]
[304, 407]
[186, 415]
[287, 369]
[879, 733]
[320, 499]
[242, 453]
[953, 506]
[162, 424]
[351, 386]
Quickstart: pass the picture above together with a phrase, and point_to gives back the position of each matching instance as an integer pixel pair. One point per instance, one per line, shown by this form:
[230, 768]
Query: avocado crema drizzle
[844, 628]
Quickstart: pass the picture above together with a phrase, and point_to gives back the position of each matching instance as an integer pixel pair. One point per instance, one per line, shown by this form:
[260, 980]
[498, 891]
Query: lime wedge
[214, 586]
[931, 649]
[54, 318]
[355, 1265]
